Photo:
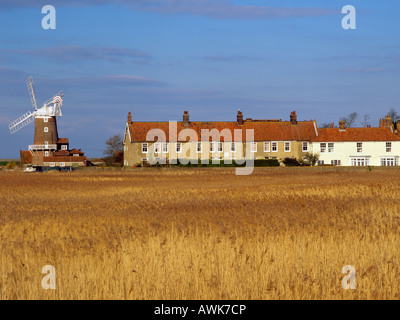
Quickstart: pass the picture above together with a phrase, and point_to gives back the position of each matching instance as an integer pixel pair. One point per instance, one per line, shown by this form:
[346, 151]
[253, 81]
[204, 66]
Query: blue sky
[157, 58]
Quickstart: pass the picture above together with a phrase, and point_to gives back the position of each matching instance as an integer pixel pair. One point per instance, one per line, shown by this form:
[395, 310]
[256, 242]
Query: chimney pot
[186, 118]
[293, 118]
[129, 118]
[240, 118]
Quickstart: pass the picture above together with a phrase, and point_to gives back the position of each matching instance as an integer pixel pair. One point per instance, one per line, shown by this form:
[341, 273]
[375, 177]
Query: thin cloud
[216, 9]
[68, 54]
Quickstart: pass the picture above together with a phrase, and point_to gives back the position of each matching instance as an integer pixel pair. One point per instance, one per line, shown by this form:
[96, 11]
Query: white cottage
[357, 146]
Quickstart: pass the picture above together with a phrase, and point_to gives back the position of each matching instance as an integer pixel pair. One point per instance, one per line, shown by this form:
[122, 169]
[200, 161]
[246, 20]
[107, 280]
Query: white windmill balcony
[38, 147]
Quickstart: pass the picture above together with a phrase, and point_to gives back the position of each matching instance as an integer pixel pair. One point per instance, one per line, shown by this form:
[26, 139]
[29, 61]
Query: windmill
[46, 135]
[51, 108]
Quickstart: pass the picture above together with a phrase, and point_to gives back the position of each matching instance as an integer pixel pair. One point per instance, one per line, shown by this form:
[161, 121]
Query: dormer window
[64, 147]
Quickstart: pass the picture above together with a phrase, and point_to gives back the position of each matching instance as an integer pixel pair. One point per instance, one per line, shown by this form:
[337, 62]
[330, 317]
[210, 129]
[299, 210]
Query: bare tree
[350, 119]
[325, 125]
[365, 120]
[114, 145]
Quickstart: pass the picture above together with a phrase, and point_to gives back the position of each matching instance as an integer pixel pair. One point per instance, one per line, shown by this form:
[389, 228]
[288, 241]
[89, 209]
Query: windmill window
[46, 129]
[46, 120]
[46, 153]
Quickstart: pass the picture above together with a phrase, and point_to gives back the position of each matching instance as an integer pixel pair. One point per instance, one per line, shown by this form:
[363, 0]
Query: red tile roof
[355, 134]
[76, 151]
[64, 159]
[264, 130]
[63, 140]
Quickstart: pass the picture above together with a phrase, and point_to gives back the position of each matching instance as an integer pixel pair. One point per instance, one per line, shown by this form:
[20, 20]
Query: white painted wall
[344, 151]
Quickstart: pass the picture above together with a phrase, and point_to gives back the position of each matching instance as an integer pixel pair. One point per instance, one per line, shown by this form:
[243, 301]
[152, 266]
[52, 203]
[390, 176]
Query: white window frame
[389, 161]
[157, 147]
[286, 144]
[233, 146]
[145, 147]
[253, 147]
[331, 147]
[359, 146]
[220, 146]
[388, 147]
[199, 144]
[305, 143]
[52, 164]
[178, 149]
[165, 147]
[46, 120]
[274, 145]
[212, 147]
[359, 162]
[322, 147]
[46, 153]
[267, 146]
[62, 164]
[46, 129]
[64, 147]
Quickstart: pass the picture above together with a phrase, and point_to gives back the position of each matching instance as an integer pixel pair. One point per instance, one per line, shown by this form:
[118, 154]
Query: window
[178, 147]
[274, 146]
[46, 129]
[46, 153]
[46, 119]
[212, 147]
[144, 147]
[64, 147]
[233, 147]
[359, 146]
[157, 147]
[144, 159]
[331, 146]
[388, 147]
[52, 164]
[389, 162]
[165, 147]
[321, 162]
[305, 146]
[336, 162]
[199, 147]
[287, 146]
[253, 146]
[359, 162]
[266, 147]
[322, 147]
[62, 164]
[220, 147]
[46, 143]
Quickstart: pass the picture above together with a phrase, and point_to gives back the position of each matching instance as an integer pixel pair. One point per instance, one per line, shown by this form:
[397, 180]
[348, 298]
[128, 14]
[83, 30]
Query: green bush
[11, 165]
[291, 162]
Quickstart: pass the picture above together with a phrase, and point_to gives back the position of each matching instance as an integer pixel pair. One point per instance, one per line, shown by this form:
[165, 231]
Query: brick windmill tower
[48, 149]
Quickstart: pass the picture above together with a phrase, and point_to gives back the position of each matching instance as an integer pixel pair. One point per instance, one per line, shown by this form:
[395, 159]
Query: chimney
[293, 118]
[332, 125]
[129, 118]
[388, 121]
[186, 118]
[240, 118]
[342, 125]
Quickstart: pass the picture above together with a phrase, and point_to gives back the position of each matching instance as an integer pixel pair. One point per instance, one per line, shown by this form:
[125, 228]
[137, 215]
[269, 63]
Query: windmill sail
[21, 122]
[31, 90]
